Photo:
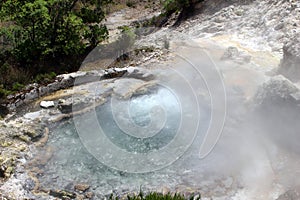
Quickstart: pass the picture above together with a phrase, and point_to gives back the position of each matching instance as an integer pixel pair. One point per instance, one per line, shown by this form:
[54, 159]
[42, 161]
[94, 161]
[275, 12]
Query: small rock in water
[80, 197]
[81, 187]
[89, 195]
[232, 53]
[62, 194]
[47, 104]
[69, 132]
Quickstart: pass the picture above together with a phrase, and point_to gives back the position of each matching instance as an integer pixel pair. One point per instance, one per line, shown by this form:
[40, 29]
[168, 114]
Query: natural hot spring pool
[158, 109]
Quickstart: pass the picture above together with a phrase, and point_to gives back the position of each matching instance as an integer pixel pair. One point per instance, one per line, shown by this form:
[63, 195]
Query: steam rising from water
[140, 107]
[257, 156]
[249, 159]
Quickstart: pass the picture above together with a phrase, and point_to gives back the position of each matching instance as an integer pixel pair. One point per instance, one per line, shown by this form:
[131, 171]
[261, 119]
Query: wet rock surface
[89, 95]
[15, 140]
[232, 53]
[290, 64]
[289, 195]
[62, 194]
[81, 187]
[278, 88]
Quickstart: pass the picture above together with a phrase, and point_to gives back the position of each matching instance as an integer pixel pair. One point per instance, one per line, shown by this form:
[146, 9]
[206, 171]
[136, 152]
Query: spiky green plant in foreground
[157, 196]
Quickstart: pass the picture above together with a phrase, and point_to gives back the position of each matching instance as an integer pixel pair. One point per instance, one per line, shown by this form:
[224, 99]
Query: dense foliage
[36, 34]
[37, 28]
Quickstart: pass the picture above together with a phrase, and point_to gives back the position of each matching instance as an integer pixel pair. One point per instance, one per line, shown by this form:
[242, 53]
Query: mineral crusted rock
[290, 64]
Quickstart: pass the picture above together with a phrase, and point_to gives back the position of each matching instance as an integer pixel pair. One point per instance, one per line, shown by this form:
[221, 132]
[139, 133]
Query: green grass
[157, 196]
[4, 92]
[45, 78]
[17, 87]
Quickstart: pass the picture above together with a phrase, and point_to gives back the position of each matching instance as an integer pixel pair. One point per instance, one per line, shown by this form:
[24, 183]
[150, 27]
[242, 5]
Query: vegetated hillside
[39, 37]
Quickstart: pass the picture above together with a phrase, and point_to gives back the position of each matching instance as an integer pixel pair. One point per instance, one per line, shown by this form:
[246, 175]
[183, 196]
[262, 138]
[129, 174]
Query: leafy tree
[39, 29]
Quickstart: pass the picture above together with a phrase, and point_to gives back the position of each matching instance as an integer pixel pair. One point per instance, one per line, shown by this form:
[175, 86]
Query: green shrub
[4, 92]
[11, 76]
[17, 86]
[45, 78]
